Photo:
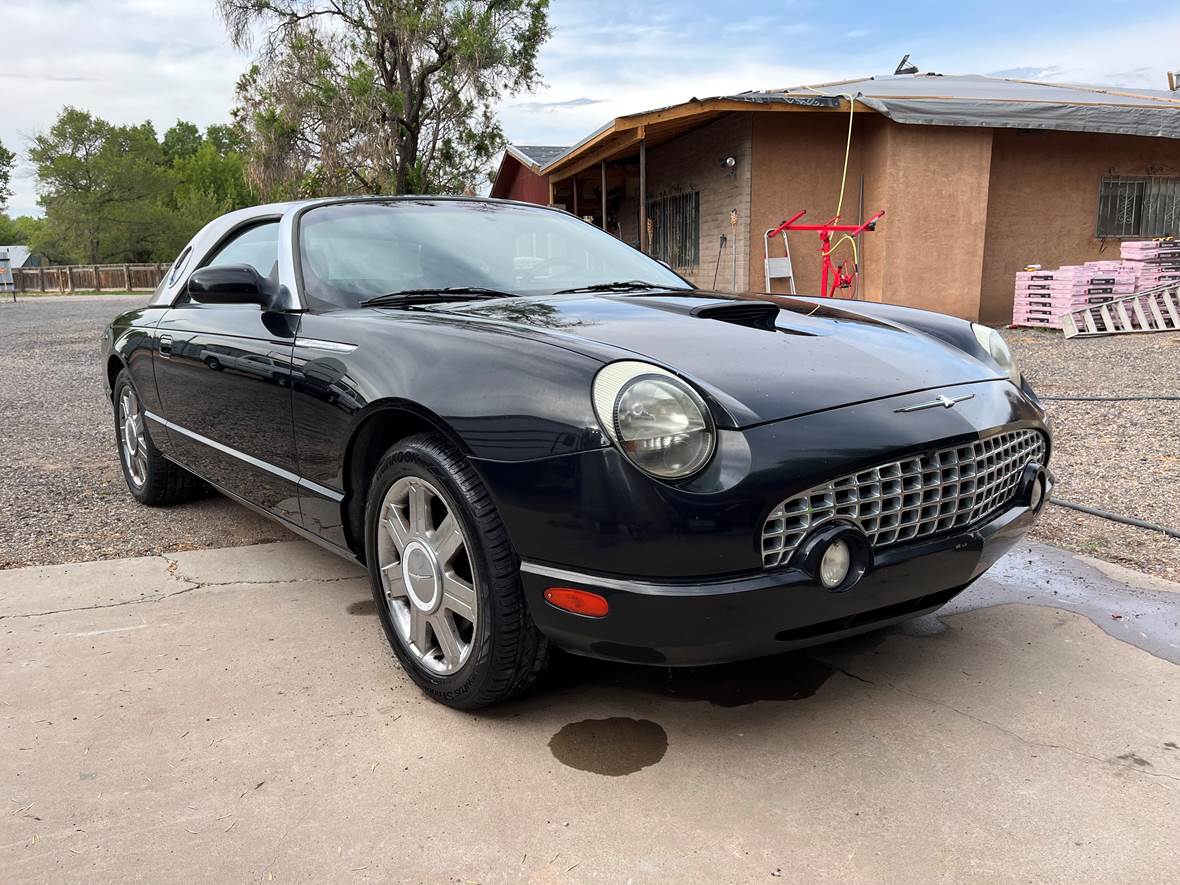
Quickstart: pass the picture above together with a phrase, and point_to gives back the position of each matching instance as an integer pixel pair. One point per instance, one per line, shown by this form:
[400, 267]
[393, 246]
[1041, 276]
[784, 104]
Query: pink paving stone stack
[1043, 297]
[1156, 261]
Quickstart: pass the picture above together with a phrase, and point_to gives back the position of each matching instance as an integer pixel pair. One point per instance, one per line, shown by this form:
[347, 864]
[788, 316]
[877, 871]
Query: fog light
[834, 566]
[836, 556]
[1037, 495]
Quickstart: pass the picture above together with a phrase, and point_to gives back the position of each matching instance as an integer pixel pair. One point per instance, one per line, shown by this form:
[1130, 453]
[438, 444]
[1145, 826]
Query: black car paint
[509, 382]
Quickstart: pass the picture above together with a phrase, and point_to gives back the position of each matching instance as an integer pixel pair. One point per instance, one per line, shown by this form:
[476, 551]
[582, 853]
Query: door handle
[165, 345]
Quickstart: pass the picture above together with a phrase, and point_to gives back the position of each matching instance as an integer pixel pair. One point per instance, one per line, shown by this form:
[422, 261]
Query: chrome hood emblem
[947, 402]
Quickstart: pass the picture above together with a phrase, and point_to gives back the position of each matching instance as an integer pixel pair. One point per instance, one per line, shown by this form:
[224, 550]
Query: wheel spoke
[447, 539]
[458, 596]
[395, 583]
[398, 531]
[418, 624]
[419, 512]
[448, 638]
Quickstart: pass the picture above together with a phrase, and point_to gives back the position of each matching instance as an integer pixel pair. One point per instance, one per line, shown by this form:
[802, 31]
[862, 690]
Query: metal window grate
[1143, 206]
[676, 229]
[912, 498]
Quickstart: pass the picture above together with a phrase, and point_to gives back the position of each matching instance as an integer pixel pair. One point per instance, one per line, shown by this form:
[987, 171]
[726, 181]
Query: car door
[223, 372]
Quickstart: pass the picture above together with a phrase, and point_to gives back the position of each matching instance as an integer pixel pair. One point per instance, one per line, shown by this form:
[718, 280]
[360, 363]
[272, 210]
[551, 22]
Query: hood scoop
[753, 314]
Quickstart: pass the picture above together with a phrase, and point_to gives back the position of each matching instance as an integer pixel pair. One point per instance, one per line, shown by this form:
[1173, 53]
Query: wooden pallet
[1152, 310]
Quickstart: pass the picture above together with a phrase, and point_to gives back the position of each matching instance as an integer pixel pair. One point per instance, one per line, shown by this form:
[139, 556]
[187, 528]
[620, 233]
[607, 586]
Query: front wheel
[446, 579]
[151, 478]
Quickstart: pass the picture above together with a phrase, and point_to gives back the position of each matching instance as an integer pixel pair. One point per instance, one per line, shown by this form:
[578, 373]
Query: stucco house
[978, 176]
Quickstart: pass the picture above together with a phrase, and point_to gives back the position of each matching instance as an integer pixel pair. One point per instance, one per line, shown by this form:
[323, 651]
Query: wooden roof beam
[601, 146]
[605, 151]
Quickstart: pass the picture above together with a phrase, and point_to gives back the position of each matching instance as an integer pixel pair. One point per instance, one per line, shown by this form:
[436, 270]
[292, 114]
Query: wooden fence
[89, 277]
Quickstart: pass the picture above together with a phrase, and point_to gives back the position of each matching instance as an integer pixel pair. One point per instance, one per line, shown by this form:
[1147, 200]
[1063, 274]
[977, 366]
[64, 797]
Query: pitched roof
[17, 255]
[974, 100]
[921, 99]
[536, 155]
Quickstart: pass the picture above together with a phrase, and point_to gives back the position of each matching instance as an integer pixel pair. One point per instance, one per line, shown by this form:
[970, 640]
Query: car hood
[762, 358]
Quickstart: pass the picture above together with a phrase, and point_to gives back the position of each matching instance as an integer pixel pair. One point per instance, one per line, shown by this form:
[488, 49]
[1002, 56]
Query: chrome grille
[911, 498]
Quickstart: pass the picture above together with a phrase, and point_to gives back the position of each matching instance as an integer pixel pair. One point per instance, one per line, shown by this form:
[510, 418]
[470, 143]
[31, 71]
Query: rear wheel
[446, 579]
[151, 478]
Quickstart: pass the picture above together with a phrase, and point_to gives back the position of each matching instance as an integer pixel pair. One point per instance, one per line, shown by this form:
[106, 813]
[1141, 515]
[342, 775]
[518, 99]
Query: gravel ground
[62, 494]
[1123, 457]
[63, 497]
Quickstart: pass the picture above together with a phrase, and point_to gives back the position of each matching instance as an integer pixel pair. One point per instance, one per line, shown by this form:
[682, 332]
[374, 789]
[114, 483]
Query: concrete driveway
[235, 715]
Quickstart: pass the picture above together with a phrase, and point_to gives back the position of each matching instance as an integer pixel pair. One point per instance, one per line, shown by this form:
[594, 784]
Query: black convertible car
[533, 434]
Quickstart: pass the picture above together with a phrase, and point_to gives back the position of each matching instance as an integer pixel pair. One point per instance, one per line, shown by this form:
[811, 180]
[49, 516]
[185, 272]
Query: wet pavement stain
[364, 607]
[1144, 614]
[784, 678]
[613, 747]
[788, 677]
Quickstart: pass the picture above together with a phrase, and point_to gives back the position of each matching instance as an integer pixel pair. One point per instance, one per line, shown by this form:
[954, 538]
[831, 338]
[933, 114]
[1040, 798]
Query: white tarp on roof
[972, 100]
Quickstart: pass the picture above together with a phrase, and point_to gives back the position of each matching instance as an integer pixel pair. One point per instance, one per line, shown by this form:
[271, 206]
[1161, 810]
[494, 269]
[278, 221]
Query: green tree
[101, 185]
[206, 184]
[7, 158]
[226, 138]
[11, 233]
[182, 140]
[380, 96]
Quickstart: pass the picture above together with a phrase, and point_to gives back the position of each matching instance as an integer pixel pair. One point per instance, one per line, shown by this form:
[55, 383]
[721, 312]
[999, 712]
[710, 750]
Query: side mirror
[228, 284]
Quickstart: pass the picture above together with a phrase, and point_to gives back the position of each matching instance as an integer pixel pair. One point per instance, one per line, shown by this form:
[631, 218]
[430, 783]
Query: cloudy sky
[129, 60]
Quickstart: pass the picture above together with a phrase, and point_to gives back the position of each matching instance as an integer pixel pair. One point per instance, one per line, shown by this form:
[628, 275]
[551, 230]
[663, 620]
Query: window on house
[1144, 206]
[676, 229]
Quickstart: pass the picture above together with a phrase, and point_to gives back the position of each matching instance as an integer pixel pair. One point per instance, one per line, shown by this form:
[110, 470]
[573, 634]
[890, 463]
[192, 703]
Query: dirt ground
[64, 499]
[1118, 456]
[62, 495]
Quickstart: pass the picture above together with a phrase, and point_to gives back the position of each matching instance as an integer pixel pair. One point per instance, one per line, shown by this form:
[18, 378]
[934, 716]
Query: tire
[151, 478]
[479, 645]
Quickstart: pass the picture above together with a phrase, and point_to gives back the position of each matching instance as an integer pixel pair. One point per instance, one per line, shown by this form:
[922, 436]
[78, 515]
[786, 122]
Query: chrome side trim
[317, 344]
[756, 581]
[294, 479]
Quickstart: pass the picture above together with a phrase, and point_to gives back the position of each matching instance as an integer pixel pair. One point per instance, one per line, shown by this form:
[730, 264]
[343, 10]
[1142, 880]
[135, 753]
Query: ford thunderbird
[535, 436]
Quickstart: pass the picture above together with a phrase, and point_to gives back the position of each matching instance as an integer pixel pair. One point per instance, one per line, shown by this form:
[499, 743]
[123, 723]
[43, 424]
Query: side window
[257, 246]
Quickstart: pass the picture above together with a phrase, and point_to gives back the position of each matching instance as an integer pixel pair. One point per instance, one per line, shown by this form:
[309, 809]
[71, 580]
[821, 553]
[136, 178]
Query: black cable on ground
[1107, 399]
[1114, 517]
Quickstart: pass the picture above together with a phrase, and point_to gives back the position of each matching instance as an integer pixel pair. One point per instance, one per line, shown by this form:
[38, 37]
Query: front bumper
[678, 624]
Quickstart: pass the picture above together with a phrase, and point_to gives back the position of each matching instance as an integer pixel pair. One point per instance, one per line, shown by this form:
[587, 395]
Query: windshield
[351, 252]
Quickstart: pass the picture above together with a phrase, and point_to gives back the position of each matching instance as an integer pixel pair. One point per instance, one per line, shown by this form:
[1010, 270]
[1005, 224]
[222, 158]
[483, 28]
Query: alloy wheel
[426, 575]
[132, 437]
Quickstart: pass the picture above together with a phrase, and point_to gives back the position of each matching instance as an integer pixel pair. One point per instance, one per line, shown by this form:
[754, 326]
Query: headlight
[661, 424]
[993, 342]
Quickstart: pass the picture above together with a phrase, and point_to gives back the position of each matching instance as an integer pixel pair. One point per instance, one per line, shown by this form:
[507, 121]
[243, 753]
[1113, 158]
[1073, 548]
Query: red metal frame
[840, 276]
